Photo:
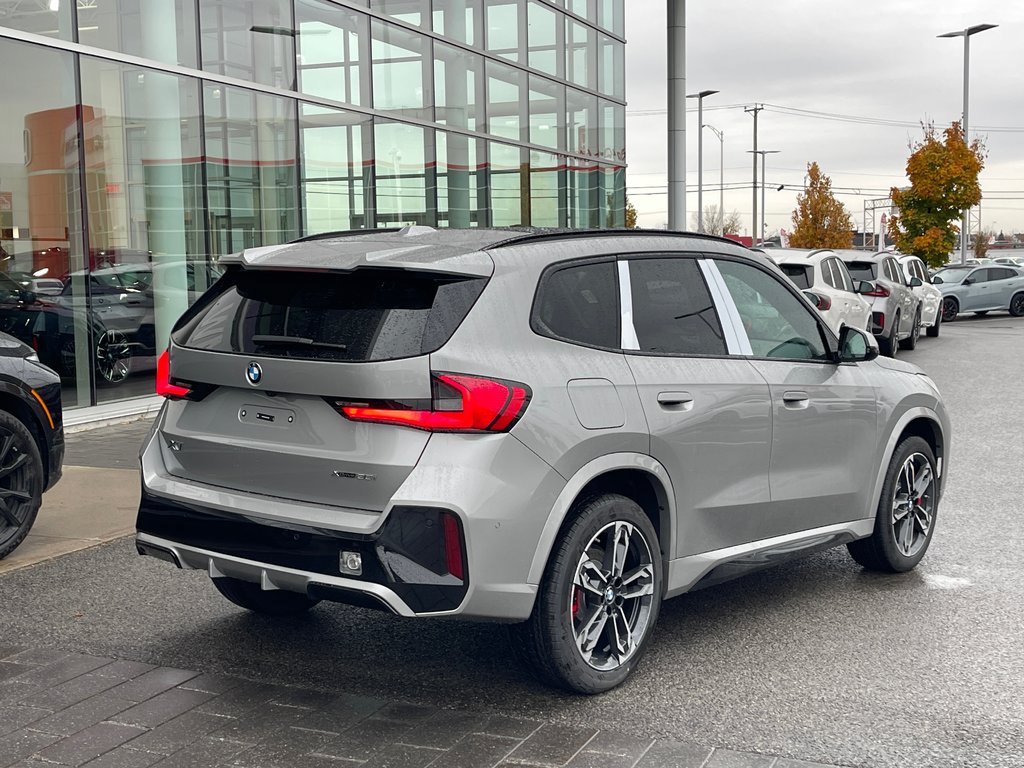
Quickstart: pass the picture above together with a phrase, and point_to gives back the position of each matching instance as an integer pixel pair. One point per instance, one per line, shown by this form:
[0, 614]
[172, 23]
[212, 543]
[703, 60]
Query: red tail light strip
[453, 546]
[164, 388]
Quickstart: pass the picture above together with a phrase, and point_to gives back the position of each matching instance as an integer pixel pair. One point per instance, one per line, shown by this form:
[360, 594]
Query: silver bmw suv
[555, 429]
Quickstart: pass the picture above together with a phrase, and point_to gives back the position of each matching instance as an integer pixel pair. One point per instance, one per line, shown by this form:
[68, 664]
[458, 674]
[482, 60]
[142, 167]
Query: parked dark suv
[554, 429]
[31, 438]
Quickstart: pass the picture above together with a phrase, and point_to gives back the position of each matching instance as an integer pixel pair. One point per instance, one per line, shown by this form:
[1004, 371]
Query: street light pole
[753, 222]
[721, 172]
[700, 155]
[762, 153]
[966, 35]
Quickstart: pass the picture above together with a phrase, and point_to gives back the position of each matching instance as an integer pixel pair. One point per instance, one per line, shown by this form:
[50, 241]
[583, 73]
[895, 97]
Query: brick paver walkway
[74, 709]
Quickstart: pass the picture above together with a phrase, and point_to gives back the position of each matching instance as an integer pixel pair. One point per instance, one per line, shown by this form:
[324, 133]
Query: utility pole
[753, 224]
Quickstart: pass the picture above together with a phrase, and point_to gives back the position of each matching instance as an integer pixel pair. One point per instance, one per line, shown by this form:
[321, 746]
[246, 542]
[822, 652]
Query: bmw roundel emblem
[254, 373]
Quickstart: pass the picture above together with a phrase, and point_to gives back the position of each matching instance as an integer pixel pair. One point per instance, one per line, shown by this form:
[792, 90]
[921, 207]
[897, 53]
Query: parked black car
[31, 438]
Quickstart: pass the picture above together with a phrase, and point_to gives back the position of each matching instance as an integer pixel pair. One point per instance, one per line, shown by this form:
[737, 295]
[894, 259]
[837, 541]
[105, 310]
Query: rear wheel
[1017, 305]
[21, 482]
[906, 513]
[888, 345]
[911, 341]
[599, 599]
[933, 329]
[246, 594]
[950, 309]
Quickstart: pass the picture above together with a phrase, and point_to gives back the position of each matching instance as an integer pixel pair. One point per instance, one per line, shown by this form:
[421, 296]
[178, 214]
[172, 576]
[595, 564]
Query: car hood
[897, 365]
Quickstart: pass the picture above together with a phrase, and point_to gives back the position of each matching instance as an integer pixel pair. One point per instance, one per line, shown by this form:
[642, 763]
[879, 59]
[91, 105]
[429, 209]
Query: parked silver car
[980, 290]
[896, 309]
[556, 429]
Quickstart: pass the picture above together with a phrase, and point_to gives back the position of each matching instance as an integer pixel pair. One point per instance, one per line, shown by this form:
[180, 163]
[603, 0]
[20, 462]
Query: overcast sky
[858, 58]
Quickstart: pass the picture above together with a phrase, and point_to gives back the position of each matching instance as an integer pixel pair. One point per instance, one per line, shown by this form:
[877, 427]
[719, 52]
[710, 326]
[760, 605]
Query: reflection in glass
[612, 81]
[461, 181]
[547, 199]
[416, 12]
[164, 30]
[404, 193]
[547, 113]
[509, 179]
[400, 71]
[582, 129]
[457, 20]
[610, 16]
[545, 35]
[333, 51]
[249, 39]
[40, 216]
[335, 145]
[505, 104]
[43, 17]
[250, 168]
[503, 28]
[146, 223]
[584, 190]
[581, 55]
[458, 87]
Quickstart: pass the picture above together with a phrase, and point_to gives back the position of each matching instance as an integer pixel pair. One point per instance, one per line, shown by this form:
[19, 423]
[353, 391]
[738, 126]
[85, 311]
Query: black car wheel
[113, 356]
[888, 345]
[1017, 305]
[599, 599]
[21, 482]
[933, 329]
[911, 341]
[950, 309]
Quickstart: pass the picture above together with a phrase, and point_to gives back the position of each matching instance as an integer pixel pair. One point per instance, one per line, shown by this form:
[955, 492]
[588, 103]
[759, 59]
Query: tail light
[880, 290]
[458, 403]
[164, 388]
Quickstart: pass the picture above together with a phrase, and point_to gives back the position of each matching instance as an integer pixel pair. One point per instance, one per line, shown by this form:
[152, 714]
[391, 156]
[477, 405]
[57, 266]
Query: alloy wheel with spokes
[950, 309]
[598, 600]
[113, 355]
[21, 482]
[1017, 305]
[913, 504]
[907, 508]
[611, 595]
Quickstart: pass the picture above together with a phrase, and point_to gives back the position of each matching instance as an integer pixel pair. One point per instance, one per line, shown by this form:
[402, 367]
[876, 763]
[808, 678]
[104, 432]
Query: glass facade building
[140, 140]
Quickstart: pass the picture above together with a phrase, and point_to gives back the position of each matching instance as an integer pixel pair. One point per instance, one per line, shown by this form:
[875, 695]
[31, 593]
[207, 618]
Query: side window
[828, 274]
[579, 304]
[920, 271]
[896, 272]
[778, 325]
[981, 275]
[1001, 274]
[840, 269]
[672, 309]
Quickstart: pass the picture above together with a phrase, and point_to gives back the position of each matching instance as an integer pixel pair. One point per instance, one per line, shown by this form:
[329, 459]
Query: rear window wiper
[297, 341]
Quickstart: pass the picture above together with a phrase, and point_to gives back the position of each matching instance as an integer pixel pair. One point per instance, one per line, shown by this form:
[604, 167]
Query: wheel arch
[15, 405]
[636, 476]
[920, 422]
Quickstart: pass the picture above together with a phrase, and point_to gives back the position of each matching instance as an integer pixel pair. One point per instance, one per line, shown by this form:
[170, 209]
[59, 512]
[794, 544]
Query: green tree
[943, 177]
[820, 221]
[630, 215]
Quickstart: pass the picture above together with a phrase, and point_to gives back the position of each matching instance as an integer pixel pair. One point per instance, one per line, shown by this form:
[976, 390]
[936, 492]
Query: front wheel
[248, 595]
[599, 599]
[21, 482]
[933, 329]
[905, 520]
[915, 333]
[950, 309]
[1017, 305]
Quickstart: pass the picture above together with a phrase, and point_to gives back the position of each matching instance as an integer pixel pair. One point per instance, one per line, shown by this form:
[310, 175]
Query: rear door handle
[682, 401]
[794, 398]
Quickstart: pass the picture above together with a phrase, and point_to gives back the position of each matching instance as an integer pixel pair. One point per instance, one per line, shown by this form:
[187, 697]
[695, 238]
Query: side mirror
[937, 280]
[968, 281]
[27, 297]
[863, 287]
[915, 282]
[856, 346]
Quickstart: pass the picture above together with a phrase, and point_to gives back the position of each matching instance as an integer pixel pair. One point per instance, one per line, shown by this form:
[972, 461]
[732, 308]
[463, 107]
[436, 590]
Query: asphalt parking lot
[816, 660]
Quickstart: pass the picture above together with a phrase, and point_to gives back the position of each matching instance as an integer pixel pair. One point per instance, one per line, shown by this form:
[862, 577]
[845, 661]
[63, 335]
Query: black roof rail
[344, 233]
[540, 234]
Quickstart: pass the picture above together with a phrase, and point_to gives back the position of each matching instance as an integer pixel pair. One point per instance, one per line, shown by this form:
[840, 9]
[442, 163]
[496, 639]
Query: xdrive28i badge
[254, 373]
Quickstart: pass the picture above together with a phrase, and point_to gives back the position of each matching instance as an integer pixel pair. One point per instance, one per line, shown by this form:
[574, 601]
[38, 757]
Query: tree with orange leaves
[820, 221]
[943, 182]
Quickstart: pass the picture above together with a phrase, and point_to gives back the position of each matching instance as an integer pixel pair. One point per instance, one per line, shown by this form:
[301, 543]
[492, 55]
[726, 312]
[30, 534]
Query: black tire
[911, 341]
[881, 551]
[21, 482]
[1017, 305]
[888, 345]
[933, 330]
[950, 309]
[546, 642]
[277, 602]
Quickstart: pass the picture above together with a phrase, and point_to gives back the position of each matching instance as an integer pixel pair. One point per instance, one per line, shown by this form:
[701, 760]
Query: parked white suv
[825, 280]
[930, 296]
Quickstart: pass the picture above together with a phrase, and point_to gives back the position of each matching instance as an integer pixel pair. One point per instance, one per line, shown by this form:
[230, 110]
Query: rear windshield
[364, 315]
[800, 275]
[862, 270]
